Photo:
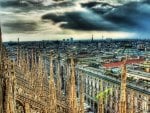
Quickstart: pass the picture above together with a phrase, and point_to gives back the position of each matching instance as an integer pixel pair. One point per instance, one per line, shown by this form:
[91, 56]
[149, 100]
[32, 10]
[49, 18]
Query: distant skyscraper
[71, 40]
[92, 38]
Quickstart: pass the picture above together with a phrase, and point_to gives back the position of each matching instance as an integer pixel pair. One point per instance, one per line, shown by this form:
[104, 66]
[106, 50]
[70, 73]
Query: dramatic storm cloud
[65, 19]
[81, 20]
[133, 16]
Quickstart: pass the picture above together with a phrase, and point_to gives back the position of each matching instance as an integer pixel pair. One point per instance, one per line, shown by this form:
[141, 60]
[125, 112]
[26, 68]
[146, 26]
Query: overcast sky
[79, 19]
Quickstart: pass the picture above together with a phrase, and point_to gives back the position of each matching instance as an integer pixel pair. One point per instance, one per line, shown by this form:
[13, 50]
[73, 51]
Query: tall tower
[18, 53]
[122, 106]
[11, 90]
[58, 79]
[1, 78]
[92, 38]
[52, 88]
[72, 97]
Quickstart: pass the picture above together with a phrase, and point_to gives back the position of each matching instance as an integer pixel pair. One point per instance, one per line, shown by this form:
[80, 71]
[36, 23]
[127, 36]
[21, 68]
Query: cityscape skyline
[74, 56]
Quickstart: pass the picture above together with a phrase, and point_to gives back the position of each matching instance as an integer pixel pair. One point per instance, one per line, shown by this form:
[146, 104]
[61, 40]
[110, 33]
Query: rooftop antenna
[18, 52]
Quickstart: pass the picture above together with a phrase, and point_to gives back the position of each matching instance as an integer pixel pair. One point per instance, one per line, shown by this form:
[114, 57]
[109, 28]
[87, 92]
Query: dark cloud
[19, 26]
[55, 18]
[33, 4]
[132, 16]
[86, 21]
[81, 20]
[15, 3]
[146, 1]
[103, 16]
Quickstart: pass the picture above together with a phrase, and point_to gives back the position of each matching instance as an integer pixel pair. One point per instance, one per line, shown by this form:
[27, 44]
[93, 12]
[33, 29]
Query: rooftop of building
[120, 63]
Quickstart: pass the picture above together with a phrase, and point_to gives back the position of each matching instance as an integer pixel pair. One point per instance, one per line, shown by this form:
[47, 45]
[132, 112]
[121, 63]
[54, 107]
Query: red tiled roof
[118, 64]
